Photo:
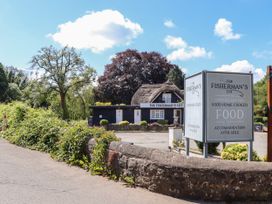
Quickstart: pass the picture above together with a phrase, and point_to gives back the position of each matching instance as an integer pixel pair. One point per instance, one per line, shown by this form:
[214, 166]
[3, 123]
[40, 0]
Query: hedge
[42, 130]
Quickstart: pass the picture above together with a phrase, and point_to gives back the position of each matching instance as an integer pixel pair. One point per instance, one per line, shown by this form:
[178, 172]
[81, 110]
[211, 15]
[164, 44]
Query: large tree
[3, 83]
[127, 72]
[176, 76]
[61, 70]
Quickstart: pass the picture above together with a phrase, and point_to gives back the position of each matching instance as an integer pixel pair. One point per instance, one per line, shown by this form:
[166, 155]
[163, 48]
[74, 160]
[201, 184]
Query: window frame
[167, 97]
[157, 114]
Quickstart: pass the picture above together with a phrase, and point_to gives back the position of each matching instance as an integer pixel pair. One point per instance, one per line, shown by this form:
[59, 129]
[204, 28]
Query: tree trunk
[65, 113]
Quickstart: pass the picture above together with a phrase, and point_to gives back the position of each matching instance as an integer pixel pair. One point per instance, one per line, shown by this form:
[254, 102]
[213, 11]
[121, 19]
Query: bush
[265, 119]
[98, 164]
[212, 147]
[33, 128]
[143, 123]
[258, 119]
[123, 123]
[72, 145]
[155, 124]
[237, 152]
[163, 122]
[103, 103]
[104, 122]
[42, 130]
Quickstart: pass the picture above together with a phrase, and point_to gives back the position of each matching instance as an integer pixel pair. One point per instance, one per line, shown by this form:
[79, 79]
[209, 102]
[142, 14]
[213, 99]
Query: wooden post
[269, 122]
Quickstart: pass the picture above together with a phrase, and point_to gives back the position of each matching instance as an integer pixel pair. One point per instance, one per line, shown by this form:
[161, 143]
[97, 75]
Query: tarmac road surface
[28, 177]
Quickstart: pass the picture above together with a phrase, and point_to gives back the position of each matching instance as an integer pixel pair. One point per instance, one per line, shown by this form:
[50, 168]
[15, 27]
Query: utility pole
[269, 122]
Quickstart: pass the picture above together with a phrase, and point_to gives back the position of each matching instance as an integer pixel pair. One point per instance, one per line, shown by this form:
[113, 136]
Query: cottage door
[177, 116]
[119, 115]
[137, 115]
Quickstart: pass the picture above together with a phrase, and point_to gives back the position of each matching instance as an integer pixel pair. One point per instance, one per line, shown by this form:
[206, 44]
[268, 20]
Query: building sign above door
[161, 105]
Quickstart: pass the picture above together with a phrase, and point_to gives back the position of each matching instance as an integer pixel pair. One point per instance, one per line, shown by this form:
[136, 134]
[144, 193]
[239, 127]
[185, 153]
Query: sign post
[269, 123]
[219, 108]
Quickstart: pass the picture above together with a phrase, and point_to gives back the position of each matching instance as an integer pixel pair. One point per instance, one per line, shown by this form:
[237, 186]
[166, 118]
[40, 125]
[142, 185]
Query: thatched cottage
[151, 102]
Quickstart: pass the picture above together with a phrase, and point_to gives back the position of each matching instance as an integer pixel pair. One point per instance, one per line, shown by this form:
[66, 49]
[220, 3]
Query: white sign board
[161, 105]
[194, 107]
[229, 107]
[225, 112]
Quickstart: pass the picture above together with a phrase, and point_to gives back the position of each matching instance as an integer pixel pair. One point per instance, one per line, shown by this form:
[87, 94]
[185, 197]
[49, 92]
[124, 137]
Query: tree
[62, 69]
[16, 76]
[3, 83]
[127, 72]
[176, 76]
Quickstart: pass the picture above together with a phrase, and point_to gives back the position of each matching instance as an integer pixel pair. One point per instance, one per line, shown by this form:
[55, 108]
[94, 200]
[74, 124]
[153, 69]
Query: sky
[226, 35]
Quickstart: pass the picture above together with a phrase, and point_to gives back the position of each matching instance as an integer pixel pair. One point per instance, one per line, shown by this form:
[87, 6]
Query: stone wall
[193, 178]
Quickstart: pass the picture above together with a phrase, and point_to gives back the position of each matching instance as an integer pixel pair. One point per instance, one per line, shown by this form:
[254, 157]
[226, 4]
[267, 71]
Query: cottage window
[156, 114]
[166, 97]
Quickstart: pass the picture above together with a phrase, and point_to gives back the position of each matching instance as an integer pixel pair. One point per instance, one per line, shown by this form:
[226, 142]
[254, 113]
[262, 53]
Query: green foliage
[59, 78]
[130, 180]
[163, 122]
[258, 119]
[33, 128]
[260, 98]
[178, 143]
[42, 130]
[13, 93]
[176, 76]
[16, 76]
[3, 83]
[143, 123]
[237, 152]
[104, 122]
[103, 103]
[212, 147]
[98, 165]
[123, 123]
[72, 145]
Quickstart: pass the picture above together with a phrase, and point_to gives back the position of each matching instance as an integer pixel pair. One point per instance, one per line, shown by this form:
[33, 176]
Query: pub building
[151, 102]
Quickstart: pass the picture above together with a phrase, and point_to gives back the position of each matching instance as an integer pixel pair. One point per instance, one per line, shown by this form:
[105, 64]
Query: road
[28, 177]
[160, 140]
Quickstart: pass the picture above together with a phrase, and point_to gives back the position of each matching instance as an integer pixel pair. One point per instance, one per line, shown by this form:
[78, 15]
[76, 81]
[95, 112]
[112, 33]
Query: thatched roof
[149, 92]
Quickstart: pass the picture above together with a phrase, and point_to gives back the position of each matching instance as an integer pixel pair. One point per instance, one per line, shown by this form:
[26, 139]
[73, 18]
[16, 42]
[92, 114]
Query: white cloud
[169, 24]
[183, 51]
[243, 66]
[223, 29]
[174, 42]
[97, 31]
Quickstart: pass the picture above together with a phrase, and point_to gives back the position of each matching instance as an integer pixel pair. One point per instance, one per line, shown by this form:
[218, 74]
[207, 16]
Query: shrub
[123, 123]
[212, 147]
[178, 144]
[237, 152]
[258, 119]
[72, 145]
[163, 122]
[103, 103]
[98, 164]
[155, 124]
[143, 123]
[40, 129]
[104, 122]
[37, 129]
[265, 119]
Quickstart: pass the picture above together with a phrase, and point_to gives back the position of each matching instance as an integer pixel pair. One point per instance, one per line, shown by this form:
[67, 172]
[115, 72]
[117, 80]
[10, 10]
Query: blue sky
[230, 35]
